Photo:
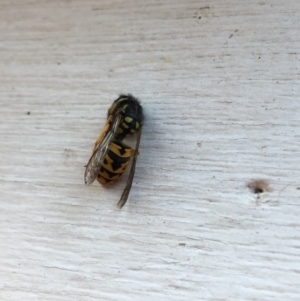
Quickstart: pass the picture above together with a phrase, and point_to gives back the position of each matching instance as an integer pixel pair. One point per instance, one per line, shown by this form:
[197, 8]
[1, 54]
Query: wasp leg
[127, 188]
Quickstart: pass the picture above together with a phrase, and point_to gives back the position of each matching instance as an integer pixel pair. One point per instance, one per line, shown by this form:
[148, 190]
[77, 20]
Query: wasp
[110, 155]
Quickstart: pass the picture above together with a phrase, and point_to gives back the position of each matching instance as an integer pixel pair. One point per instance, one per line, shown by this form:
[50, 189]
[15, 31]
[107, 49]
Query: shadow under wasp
[111, 156]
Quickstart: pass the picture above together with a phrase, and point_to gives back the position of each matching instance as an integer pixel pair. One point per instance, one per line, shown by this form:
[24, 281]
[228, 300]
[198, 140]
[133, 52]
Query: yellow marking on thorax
[119, 131]
[124, 124]
[128, 119]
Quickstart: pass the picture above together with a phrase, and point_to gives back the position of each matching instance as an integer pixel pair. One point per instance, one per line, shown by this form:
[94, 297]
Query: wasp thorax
[132, 113]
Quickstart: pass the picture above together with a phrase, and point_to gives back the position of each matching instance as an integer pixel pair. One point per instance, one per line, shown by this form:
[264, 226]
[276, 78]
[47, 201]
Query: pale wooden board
[219, 82]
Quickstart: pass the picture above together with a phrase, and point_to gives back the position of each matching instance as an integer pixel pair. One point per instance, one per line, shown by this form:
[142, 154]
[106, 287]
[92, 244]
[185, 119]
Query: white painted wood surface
[219, 82]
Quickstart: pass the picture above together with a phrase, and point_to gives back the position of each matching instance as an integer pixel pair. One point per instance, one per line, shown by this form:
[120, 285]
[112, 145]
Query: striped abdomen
[115, 162]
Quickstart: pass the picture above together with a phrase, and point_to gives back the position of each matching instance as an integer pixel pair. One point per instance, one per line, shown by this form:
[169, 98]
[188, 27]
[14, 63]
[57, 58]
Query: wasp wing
[127, 188]
[94, 165]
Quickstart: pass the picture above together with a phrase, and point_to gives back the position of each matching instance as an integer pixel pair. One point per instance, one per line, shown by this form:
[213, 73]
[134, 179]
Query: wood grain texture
[219, 82]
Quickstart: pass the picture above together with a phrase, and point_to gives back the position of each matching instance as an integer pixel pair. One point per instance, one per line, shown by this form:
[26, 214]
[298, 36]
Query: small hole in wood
[259, 186]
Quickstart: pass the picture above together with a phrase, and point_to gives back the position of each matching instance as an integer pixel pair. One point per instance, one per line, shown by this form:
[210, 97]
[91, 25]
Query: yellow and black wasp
[110, 155]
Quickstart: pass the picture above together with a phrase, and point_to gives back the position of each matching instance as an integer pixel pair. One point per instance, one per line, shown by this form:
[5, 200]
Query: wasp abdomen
[115, 162]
